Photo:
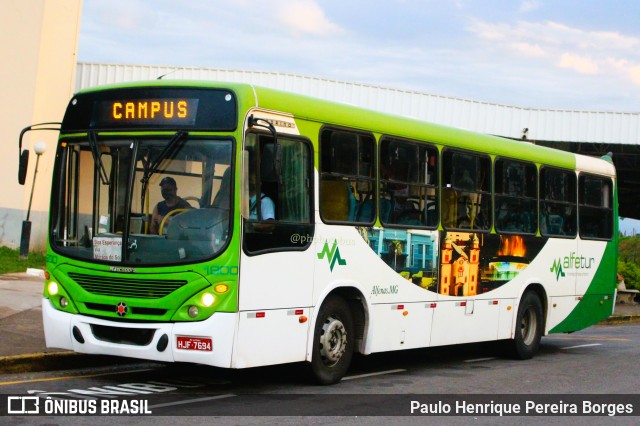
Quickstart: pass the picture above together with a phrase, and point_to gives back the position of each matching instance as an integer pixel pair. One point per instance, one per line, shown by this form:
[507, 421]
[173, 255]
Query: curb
[51, 361]
[621, 319]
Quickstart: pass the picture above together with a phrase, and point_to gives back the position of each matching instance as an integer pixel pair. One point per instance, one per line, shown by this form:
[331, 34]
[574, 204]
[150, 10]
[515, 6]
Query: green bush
[629, 261]
[631, 274]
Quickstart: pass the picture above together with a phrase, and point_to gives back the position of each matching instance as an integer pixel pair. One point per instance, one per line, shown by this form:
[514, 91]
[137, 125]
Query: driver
[169, 191]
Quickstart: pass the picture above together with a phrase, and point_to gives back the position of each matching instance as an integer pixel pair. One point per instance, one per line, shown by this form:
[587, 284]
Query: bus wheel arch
[529, 323]
[539, 290]
[337, 334]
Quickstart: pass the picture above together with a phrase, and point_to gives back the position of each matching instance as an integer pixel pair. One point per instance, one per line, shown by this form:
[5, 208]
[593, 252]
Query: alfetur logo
[572, 262]
[557, 269]
[332, 255]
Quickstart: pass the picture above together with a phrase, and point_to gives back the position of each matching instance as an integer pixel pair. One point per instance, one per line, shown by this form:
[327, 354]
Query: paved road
[600, 360]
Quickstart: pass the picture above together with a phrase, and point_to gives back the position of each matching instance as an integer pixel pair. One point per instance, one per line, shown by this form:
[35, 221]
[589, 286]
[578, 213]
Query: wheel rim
[528, 326]
[333, 341]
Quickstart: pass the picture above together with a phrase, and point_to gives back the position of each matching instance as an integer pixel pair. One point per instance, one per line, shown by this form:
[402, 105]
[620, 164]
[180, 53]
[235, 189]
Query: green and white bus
[383, 233]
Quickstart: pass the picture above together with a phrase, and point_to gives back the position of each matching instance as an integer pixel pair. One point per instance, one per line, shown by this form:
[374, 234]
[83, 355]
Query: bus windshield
[163, 200]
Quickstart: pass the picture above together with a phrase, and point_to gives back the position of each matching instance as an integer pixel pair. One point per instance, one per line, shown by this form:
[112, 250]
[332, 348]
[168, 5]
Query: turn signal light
[221, 288]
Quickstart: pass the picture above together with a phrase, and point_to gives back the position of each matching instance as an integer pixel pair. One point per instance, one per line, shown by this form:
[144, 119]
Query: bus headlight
[59, 297]
[52, 288]
[208, 299]
[205, 303]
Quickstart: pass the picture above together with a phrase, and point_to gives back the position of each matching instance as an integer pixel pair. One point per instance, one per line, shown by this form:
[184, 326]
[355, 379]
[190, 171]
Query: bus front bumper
[78, 333]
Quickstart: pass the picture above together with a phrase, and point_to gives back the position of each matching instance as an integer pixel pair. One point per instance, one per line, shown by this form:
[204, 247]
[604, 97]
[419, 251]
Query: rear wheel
[529, 325]
[333, 341]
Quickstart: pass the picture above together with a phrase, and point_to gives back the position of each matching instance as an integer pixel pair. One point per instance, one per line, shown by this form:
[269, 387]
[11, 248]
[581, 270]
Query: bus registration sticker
[194, 343]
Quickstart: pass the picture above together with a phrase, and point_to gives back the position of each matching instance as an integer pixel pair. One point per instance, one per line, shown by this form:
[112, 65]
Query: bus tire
[333, 341]
[529, 324]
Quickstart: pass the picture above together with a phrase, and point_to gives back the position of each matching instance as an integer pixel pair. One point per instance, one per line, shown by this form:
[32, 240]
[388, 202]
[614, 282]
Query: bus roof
[349, 116]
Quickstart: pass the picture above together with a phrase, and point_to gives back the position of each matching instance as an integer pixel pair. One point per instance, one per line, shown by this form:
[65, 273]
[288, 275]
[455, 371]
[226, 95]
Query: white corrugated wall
[503, 120]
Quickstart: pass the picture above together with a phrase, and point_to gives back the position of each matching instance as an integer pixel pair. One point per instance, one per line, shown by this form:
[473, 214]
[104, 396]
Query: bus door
[558, 224]
[276, 268]
[595, 210]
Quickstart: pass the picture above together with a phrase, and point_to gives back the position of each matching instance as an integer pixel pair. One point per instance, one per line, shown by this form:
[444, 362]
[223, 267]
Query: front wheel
[333, 341]
[529, 325]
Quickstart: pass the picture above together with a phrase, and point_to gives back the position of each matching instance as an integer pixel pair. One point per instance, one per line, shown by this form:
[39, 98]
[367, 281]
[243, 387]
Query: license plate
[194, 343]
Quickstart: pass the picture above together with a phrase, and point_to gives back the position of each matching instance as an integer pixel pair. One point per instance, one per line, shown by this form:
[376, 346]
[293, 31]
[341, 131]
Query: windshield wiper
[93, 143]
[150, 169]
[166, 152]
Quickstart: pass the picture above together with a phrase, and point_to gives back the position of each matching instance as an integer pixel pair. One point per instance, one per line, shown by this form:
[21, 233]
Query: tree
[396, 248]
[629, 250]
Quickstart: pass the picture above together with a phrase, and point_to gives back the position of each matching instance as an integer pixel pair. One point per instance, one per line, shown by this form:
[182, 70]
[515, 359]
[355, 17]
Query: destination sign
[146, 112]
[152, 108]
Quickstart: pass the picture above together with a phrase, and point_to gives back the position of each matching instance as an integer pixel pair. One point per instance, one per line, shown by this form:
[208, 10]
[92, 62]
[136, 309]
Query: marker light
[193, 311]
[64, 302]
[208, 299]
[53, 288]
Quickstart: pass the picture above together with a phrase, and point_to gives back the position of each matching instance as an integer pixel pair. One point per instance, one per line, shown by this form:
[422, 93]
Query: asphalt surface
[23, 346]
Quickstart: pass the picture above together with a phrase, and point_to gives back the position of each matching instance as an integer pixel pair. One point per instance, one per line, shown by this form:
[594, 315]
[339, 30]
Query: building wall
[503, 120]
[39, 40]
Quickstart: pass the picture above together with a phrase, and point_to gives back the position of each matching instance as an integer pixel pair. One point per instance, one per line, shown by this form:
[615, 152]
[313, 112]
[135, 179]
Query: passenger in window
[171, 202]
[401, 207]
[466, 182]
[267, 206]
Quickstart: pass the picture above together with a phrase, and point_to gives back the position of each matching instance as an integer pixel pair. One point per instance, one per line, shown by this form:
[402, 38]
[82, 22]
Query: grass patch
[10, 261]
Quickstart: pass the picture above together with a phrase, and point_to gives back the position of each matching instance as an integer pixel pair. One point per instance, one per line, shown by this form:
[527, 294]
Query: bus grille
[124, 336]
[132, 309]
[126, 287]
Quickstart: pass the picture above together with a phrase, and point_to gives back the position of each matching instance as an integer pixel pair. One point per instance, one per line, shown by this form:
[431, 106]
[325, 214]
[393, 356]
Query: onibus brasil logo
[333, 255]
[573, 261]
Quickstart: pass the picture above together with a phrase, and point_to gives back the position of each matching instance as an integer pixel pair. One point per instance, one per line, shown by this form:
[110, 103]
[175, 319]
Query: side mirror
[22, 168]
[271, 166]
[24, 155]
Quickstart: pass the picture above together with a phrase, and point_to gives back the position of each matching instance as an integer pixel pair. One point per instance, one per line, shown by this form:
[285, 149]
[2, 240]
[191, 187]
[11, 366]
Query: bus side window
[289, 189]
[595, 207]
[466, 186]
[558, 202]
[516, 195]
[408, 187]
[347, 178]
